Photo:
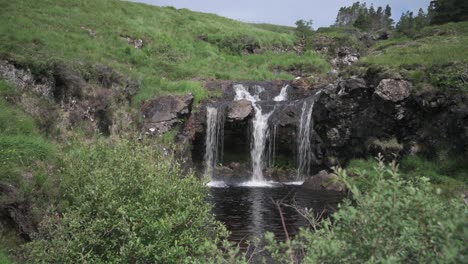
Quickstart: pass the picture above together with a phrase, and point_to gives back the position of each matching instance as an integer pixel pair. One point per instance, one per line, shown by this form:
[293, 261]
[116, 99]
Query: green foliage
[392, 221]
[127, 203]
[436, 56]
[236, 45]
[448, 174]
[169, 137]
[304, 28]
[305, 33]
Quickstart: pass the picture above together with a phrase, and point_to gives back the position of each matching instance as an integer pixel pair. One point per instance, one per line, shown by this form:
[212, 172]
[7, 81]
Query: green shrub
[392, 221]
[127, 203]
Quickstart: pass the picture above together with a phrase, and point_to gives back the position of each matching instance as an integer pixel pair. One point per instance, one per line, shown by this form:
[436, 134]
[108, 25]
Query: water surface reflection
[249, 212]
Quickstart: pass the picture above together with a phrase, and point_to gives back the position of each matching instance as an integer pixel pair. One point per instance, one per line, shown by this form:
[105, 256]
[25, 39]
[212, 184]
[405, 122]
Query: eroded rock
[162, 113]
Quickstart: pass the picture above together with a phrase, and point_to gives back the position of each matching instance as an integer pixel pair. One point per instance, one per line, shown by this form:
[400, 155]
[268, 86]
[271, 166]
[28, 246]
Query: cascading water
[283, 96]
[260, 128]
[263, 137]
[306, 155]
[272, 146]
[214, 139]
[260, 132]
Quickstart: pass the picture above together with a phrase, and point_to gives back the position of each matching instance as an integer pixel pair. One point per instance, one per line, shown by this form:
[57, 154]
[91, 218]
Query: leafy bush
[392, 221]
[127, 203]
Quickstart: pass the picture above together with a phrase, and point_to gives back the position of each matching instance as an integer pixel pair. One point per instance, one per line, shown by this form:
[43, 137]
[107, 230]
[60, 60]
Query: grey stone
[239, 110]
[393, 90]
[162, 113]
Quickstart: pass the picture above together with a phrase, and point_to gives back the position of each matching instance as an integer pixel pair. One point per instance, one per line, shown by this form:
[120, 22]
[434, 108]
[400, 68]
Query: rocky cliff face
[355, 117]
[62, 98]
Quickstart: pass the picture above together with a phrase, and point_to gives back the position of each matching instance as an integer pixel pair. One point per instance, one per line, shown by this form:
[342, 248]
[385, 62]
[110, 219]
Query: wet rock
[239, 110]
[279, 174]
[162, 113]
[348, 85]
[324, 181]
[393, 90]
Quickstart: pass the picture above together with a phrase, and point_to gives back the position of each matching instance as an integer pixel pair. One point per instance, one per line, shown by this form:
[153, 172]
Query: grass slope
[437, 56]
[179, 45]
[21, 147]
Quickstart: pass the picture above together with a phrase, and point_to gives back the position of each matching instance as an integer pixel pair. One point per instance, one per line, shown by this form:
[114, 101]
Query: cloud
[323, 13]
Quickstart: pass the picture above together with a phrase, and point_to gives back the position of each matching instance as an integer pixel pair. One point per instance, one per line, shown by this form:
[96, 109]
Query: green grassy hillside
[436, 58]
[179, 46]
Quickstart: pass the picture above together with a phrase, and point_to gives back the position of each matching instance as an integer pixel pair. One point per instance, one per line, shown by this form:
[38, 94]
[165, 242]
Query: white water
[272, 146]
[260, 131]
[283, 96]
[214, 137]
[217, 184]
[306, 155]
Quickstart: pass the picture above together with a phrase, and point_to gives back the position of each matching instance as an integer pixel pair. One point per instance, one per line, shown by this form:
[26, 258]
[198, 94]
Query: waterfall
[260, 130]
[283, 96]
[260, 135]
[214, 139]
[306, 156]
[272, 146]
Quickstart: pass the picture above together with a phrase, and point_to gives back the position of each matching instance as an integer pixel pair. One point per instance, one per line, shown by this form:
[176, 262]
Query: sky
[285, 12]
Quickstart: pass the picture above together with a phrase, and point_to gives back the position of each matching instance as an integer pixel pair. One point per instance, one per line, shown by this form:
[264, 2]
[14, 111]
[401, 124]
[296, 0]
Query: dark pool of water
[249, 212]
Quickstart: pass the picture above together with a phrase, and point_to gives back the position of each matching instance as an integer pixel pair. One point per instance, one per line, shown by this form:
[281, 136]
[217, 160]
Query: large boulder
[239, 110]
[324, 181]
[393, 90]
[162, 113]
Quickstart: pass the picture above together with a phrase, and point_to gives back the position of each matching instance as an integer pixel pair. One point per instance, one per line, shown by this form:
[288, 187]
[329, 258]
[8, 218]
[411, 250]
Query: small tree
[304, 28]
[304, 32]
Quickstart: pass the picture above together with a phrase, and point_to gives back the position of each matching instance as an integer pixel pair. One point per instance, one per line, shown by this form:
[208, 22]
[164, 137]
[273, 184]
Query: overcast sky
[285, 12]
